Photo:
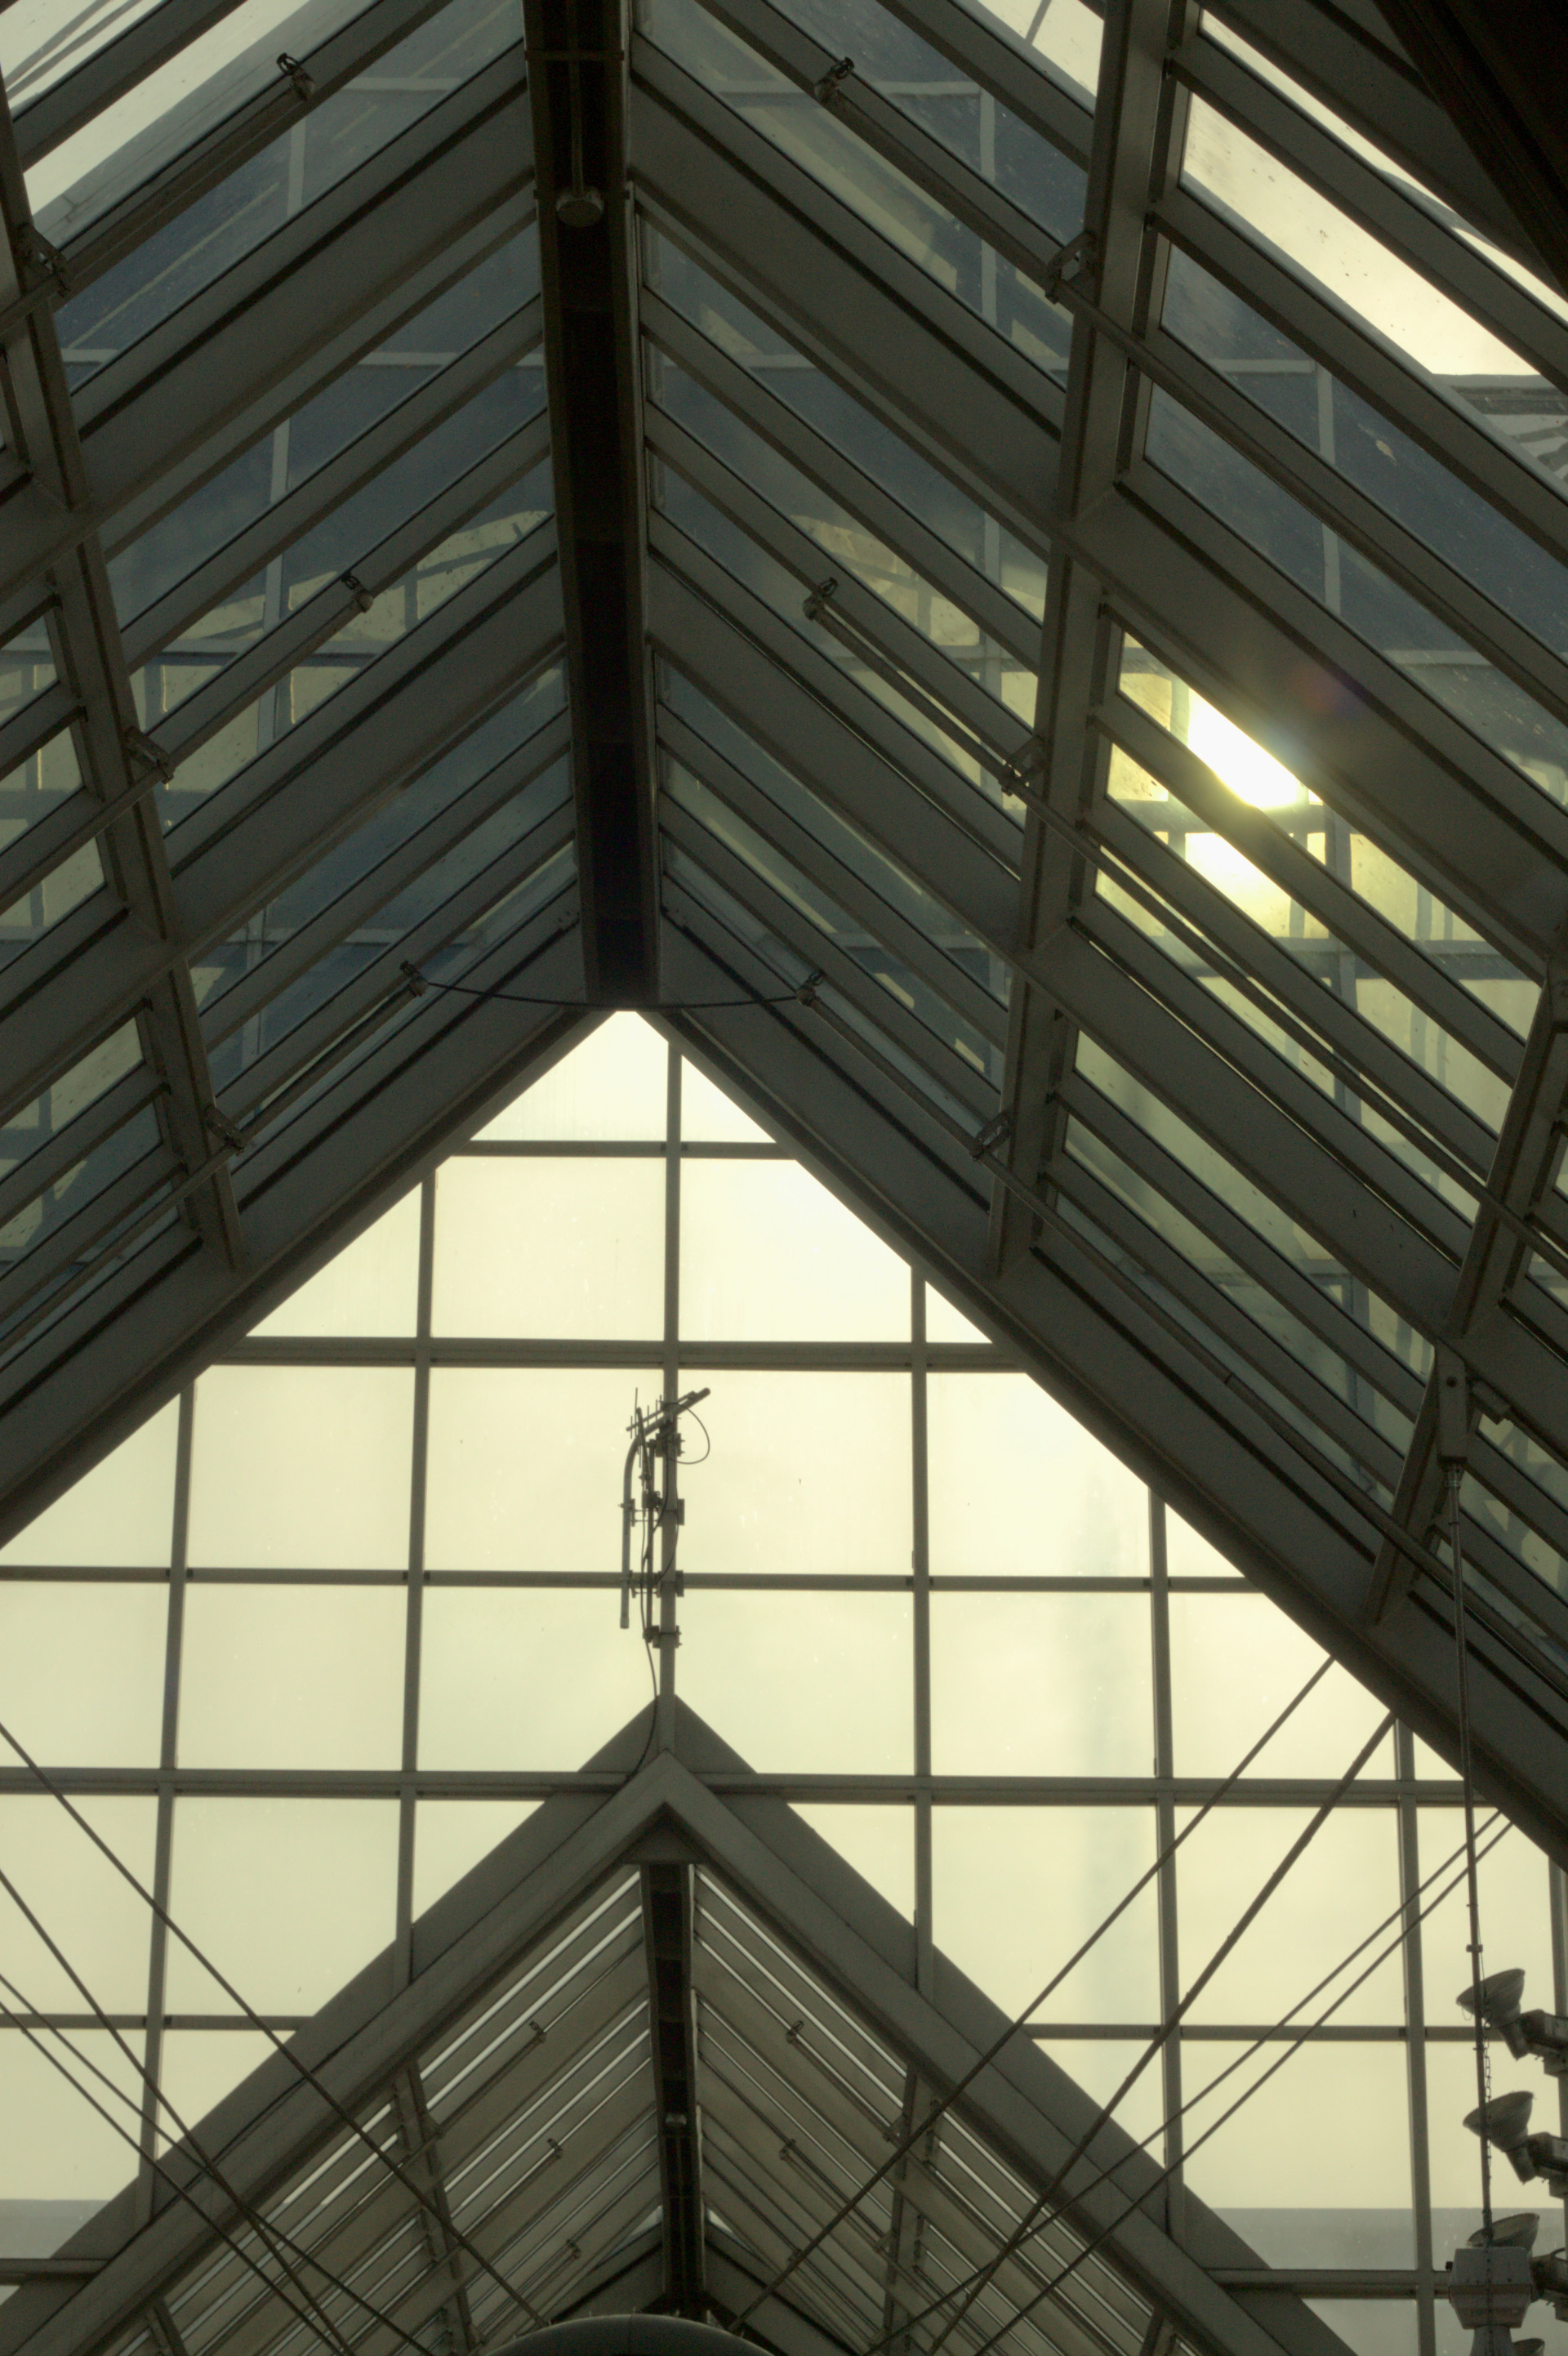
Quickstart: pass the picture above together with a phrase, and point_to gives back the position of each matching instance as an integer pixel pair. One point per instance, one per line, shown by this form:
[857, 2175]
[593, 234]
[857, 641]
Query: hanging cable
[301, 2069]
[419, 982]
[1453, 1447]
[907, 2143]
[272, 2237]
[1168, 2028]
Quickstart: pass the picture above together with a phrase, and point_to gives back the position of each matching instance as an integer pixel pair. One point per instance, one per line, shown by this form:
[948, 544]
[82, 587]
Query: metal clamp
[820, 598]
[228, 1132]
[36, 258]
[994, 1133]
[301, 76]
[825, 90]
[146, 750]
[363, 598]
[1079, 254]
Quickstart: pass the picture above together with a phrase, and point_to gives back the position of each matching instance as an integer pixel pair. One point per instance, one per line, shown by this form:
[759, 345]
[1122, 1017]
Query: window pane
[1077, 1514]
[526, 1677]
[288, 1897]
[769, 1255]
[1040, 1685]
[707, 1114]
[59, 2160]
[877, 1842]
[809, 1473]
[612, 1085]
[200, 2066]
[91, 1912]
[1314, 2170]
[1018, 1890]
[371, 1287]
[291, 1676]
[526, 1465]
[81, 1670]
[302, 1467]
[119, 1514]
[1235, 1661]
[1336, 1894]
[549, 1248]
[451, 1836]
[810, 1683]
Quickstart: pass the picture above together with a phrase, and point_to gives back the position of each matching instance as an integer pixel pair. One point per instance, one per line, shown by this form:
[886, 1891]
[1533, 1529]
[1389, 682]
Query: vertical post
[920, 1564]
[168, 1753]
[1557, 1901]
[669, 1531]
[1165, 1833]
[1416, 2040]
[408, 1804]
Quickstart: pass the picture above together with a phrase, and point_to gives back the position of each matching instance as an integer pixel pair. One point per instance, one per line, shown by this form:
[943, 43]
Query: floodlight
[1504, 2122]
[1517, 2231]
[1544, 2034]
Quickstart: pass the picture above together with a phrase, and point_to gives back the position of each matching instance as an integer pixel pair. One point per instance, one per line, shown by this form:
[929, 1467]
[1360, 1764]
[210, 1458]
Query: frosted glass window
[291, 1676]
[1235, 1661]
[119, 1514]
[1335, 1895]
[1099, 2064]
[91, 1910]
[1017, 1487]
[200, 2066]
[1315, 2169]
[551, 1248]
[811, 1683]
[451, 1836]
[526, 1677]
[81, 1671]
[1187, 1556]
[808, 1472]
[1386, 2326]
[371, 1287]
[709, 1116]
[301, 1468]
[945, 1323]
[768, 1255]
[614, 1085]
[526, 1466]
[1017, 1891]
[877, 1842]
[289, 1898]
[1040, 1685]
[55, 2149]
[1516, 1921]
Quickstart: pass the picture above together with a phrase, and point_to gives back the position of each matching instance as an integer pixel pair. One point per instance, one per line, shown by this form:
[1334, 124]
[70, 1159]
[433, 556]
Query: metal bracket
[1453, 1408]
[825, 90]
[228, 1132]
[301, 76]
[995, 1132]
[36, 258]
[363, 598]
[1079, 254]
[805, 993]
[820, 597]
[146, 750]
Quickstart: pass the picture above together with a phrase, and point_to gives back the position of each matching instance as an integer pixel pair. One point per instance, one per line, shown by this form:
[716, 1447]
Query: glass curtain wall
[314, 1638]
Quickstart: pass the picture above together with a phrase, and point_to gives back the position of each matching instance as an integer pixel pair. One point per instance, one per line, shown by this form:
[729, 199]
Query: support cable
[1168, 2028]
[907, 2143]
[272, 2237]
[302, 2069]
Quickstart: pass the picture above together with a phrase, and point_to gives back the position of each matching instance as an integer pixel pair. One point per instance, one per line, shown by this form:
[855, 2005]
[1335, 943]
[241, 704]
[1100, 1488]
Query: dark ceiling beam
[667, 1898]
[577, 51]
[1498, 67]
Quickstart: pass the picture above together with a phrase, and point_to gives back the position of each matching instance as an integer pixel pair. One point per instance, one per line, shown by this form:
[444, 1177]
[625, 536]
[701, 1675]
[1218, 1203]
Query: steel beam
[669, 1930]
[589, 280]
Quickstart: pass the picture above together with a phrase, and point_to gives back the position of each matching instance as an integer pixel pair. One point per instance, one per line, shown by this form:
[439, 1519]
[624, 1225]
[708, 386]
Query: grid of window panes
[314, 1639]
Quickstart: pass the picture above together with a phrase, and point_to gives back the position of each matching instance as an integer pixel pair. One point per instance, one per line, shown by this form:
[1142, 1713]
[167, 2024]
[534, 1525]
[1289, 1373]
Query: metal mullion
[987, 52]
[1233, 1331]
[317, 1033]
[713, 628]
[746, 393]
[757, 2148]
[413, 1625]
[1343, 1028]
[869, 614]
[578, 1987]
[253, 126]
[756, 2204]
[937, 390]
[736, 2028]
[1314, 886]
[1513, 1485]
[920, 1565]
[31, 726]
[606, 2225]
[163, 1843]
[522, 2083]
[973, 200]
[1227, 620]
[354, 906]
[1441, 1230]
[1242, 1242]
[656, 73]
[287, 521]
[43, 122]
[66, 1146]
[1435, 418]
[1406, 227]
[1407, 1822]
[859, 900]
[1351, 514]
[55, 1252]
[306, 631]
[880, 1008]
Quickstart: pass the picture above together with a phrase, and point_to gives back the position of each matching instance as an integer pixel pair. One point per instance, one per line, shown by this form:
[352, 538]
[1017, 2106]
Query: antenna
[649, 1496]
